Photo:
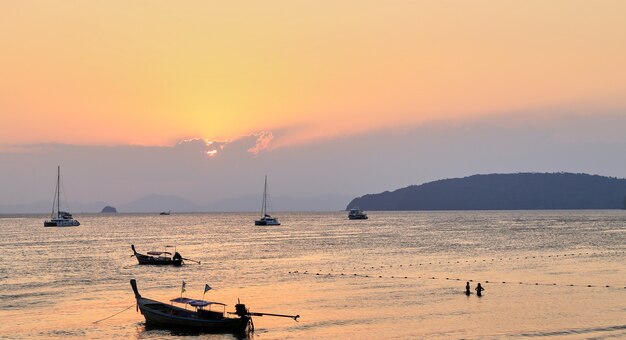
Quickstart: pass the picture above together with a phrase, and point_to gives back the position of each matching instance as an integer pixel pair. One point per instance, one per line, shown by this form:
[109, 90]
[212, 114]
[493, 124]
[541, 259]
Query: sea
[397, 275]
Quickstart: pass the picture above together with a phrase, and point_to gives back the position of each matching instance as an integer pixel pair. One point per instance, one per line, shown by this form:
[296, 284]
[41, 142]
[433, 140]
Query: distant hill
[45, 207]
[154, 203]
[279, 203]
[531, 191]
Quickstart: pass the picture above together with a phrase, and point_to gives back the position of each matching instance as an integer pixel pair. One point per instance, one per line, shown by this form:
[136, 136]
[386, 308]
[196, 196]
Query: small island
[109, 209]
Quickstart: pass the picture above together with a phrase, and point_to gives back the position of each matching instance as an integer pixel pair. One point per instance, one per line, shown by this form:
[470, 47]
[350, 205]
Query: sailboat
[266, 219]
[59, 218]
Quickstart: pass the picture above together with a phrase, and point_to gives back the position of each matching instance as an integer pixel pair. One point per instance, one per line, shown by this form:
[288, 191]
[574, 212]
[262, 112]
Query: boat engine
[241, 310]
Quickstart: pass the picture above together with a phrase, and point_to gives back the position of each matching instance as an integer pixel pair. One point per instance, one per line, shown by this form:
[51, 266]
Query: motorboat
[357, 214]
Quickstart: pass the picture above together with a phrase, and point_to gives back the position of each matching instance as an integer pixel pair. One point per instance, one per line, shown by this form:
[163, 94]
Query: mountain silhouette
[521, 191]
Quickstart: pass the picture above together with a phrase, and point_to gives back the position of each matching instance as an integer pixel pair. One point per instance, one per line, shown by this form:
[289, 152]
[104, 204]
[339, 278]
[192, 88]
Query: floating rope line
[108, 317]
[494, 259]
[554, 256]
[306, 272]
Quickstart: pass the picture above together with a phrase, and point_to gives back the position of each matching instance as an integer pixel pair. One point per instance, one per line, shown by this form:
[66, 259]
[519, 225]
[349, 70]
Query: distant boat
[158, 257]
[201, 319]
[59, 218]
[357, 214]
[165, 213]
[266, 219]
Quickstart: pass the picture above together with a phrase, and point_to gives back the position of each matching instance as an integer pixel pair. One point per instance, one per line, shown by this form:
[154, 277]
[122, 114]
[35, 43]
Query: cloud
[204, 170]
[262, 142]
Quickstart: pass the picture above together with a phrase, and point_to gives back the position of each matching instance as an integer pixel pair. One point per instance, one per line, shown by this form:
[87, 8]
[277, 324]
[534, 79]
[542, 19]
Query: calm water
[410, 268]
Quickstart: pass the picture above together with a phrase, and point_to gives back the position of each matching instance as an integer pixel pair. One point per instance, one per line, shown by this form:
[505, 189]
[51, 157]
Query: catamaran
[266, 219]
[59, 218]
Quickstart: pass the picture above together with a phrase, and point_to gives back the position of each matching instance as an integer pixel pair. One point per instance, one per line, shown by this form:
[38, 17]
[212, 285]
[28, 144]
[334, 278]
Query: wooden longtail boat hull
[176, 260]
[169, 316]
[144, 259]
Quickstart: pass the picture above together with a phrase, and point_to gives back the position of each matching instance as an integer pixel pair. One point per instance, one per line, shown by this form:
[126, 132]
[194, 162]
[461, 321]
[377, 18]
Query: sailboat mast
[58, 189]
[264, 209]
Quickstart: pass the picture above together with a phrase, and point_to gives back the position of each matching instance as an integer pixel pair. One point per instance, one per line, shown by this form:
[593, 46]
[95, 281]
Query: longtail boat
[158, 257]
[201, 318]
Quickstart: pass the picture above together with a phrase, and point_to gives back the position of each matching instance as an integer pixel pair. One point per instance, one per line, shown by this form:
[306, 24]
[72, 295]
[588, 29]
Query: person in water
[467, 289]
[479, 290]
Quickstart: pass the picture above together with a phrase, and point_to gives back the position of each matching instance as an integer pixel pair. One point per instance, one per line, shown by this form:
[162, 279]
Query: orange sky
[155, 72]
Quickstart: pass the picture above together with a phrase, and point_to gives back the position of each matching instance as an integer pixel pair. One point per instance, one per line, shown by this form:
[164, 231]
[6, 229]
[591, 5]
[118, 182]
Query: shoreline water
[60, 281]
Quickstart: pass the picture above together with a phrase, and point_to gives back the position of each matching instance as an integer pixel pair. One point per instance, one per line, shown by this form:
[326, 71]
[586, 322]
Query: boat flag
[207, 288]
[182, 289]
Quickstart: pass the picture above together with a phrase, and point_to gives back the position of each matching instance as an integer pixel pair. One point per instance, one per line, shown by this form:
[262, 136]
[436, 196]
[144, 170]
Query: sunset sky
[296, 75]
